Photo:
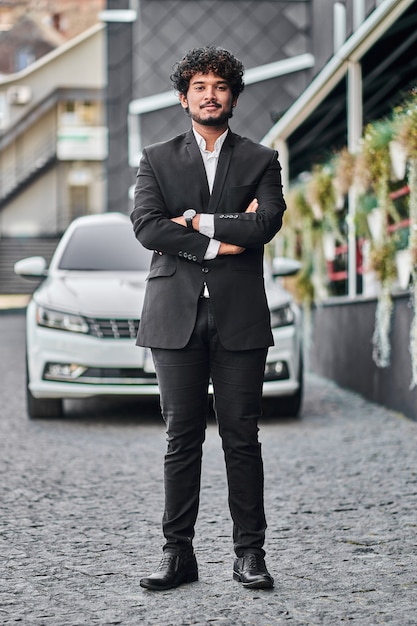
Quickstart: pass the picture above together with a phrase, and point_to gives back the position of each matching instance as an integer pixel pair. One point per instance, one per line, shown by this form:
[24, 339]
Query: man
[207, 201]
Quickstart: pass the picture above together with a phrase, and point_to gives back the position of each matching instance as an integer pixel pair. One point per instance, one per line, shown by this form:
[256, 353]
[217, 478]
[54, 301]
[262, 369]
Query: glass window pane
[105, 248]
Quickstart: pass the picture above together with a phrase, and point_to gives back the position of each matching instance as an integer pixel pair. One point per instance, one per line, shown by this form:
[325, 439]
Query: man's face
[209, 99]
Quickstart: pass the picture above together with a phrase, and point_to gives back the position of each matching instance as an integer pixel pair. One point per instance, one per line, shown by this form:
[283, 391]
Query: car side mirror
[285, 267]
[32, 267]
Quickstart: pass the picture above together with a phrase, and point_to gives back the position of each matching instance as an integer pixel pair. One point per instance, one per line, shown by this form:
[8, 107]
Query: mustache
[210, 104]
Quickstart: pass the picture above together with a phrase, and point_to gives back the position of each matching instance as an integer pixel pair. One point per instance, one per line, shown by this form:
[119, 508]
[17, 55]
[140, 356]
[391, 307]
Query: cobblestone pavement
[81, 499]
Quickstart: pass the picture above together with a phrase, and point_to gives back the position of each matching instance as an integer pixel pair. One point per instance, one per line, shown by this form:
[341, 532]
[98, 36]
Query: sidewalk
[13, 303]
[82, 501]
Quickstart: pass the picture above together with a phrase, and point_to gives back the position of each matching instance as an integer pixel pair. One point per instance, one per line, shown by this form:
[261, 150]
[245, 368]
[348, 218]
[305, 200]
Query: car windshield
[105, 247]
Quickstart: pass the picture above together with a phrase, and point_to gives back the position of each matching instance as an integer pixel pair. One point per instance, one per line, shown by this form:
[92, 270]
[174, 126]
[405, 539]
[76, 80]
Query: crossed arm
[224, 248]
[234, 231]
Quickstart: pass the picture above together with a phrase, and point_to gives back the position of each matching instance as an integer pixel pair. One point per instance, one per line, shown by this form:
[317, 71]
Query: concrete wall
[342, 350]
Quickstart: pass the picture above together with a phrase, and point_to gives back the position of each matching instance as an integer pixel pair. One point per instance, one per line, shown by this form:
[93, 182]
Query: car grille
[112, 328]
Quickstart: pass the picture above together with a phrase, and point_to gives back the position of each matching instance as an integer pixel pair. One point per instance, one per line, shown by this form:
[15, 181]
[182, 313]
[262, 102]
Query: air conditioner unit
[19, 94]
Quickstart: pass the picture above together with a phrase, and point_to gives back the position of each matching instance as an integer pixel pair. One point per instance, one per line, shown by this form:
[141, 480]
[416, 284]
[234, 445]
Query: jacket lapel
[221, 172]
[199, 170]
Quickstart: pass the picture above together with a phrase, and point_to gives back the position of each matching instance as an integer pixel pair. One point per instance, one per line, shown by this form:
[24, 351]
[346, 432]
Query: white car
[82, 320]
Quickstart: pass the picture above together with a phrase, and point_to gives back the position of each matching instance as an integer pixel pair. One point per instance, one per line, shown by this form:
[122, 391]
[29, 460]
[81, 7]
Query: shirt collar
[217, 146]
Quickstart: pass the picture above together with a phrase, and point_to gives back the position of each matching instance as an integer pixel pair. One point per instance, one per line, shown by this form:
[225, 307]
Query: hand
[179, 220]
[253, 206]
[229, 248]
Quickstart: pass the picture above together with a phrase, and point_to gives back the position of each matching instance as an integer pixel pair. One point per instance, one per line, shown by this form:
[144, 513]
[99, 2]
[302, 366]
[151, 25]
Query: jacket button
[194, 258]
[205, 270]
[180, 253]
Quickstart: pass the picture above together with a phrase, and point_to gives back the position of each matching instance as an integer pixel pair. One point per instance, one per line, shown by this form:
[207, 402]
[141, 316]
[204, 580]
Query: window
[105, 248]
[24, 57]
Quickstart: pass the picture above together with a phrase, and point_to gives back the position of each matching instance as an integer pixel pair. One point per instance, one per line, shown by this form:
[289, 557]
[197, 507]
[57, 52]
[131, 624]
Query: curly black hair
[205, 60]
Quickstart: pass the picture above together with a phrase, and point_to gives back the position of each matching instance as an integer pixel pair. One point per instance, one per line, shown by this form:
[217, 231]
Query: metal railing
[27, 167]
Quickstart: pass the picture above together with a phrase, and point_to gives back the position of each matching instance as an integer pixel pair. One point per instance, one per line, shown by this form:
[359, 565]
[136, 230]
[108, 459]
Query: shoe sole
[261, 583]
[190, 578]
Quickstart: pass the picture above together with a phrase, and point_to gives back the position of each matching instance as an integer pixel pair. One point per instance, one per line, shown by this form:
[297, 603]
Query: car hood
[95, 294]
[114, 294]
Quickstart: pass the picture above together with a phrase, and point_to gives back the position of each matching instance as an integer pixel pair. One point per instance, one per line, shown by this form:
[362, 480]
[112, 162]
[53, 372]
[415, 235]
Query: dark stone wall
[321, 32]
[256, 31]
[342, 350]
[118, 96]
[141, 56]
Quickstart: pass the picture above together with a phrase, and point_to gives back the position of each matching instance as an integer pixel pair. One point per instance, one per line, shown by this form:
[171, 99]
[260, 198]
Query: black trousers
[237, 377]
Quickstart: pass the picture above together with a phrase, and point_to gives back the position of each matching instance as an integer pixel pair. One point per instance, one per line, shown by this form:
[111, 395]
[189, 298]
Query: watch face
[189, 213]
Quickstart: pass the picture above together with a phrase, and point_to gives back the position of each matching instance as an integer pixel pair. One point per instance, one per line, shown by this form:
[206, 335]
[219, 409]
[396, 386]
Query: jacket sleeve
[151, 219]
[251, 230]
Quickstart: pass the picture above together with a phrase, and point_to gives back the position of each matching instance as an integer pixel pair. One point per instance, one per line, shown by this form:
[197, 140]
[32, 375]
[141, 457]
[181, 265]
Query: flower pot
[329, 247]
[376, 223]
[398, 160]
[340, 201]
[370, 283]
[404, 267]
[317, 212]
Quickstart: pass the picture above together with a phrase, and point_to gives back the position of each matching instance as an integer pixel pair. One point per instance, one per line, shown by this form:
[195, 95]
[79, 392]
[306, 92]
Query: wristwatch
[189, 214]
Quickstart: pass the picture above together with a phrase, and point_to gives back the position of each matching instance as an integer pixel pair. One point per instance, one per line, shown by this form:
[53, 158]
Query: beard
[214, 120]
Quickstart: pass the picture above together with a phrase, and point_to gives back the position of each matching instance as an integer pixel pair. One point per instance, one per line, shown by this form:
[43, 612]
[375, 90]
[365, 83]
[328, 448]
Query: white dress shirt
[210, 160]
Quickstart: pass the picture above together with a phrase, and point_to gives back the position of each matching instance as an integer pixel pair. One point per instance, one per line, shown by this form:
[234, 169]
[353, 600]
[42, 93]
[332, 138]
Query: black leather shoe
[174, 570]
[250, 570]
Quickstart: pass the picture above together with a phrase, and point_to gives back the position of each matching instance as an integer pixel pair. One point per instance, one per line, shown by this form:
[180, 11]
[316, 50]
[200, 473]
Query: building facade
[53, 139]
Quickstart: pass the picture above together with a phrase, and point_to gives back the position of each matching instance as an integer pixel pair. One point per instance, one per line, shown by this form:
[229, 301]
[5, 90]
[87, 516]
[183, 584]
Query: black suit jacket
[172, 178]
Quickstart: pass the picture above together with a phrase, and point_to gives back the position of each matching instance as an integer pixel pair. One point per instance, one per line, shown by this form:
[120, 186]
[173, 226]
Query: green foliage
[365, 204]
[376, 160]
[304, 287]
[382, 260]
[405, 124]
[320, 189]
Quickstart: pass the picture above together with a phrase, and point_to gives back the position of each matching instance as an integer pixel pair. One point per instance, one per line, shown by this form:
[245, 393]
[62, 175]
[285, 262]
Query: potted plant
[344, 175]
[382, 262]
[376, 175]
[321, 194]
[406, 135]
[299, 242]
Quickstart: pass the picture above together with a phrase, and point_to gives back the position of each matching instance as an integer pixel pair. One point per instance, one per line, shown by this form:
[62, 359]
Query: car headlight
[60, 321]
[282, 316]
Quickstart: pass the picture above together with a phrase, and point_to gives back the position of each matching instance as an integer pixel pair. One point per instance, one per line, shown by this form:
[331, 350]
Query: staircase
[33, 167]
[12, 249]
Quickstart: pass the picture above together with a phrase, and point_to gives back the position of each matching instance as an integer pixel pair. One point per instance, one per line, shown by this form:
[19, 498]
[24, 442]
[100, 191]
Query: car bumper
[71, 365]
[55, 358]
[285, 356]
[42, 389]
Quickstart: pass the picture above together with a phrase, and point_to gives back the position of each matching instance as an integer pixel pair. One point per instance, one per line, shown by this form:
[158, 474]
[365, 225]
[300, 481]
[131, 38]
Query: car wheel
[42, 407]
